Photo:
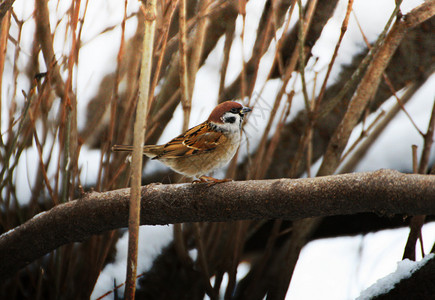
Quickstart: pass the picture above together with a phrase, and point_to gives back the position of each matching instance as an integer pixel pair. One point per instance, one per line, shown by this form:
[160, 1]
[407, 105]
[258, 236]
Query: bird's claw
[210, 180]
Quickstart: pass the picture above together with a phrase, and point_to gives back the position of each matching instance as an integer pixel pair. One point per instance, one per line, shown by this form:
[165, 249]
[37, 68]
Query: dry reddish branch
[383, 192]
[186, 100]
[45, 38]
[149, 10]
[5, 6]
[428, 141]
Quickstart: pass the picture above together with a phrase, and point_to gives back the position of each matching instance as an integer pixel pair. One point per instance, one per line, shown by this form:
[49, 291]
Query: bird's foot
[210, 180]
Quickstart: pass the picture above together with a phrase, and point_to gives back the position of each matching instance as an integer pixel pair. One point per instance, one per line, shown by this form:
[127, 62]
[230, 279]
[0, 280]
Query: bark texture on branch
[382, 192]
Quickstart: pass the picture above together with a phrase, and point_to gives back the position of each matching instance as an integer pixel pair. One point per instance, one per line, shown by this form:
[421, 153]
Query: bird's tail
[147, 150]
[127, 148]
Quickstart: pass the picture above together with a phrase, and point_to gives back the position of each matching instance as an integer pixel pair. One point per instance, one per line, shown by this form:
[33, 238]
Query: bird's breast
[206, 162]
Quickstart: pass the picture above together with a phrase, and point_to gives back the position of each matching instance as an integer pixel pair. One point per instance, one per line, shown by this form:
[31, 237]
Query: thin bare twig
[6, 168]
[334, 55]
[242, 12]
[4, 29]
[262, 146]
[71, 148]
[363, 135]
[166, 25]
[203, 261]
[197, 50]
[186, 100]
[304, 22]
[414, 159]
[229, 35]
[106, 151]
[149, 10]
[428, 141]
[276, 137]
[277, 59]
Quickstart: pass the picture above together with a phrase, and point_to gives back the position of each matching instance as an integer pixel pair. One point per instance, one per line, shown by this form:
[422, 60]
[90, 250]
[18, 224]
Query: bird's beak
[245, 110]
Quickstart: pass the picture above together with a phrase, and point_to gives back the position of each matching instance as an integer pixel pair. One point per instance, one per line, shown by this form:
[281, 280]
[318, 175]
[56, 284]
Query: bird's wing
[196, 140]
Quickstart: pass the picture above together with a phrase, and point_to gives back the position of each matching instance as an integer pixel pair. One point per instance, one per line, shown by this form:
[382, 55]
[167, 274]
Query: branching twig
[365, 91]
[362, 149]
[388, 81]
[358, 73]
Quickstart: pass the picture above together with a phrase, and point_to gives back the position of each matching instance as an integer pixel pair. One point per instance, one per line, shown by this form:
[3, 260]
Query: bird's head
[228, 115]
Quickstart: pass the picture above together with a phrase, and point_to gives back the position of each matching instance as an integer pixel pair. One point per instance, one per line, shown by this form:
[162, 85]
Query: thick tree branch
[383, 192]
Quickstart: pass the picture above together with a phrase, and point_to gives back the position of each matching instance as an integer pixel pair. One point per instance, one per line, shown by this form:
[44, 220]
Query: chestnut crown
[227, 107]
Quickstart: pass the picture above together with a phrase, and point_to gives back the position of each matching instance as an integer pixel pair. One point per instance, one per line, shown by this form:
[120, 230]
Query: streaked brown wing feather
[196, 140]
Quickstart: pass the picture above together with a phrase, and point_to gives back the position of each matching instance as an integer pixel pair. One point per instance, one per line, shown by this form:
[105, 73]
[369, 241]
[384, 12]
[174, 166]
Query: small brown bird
[203, 148]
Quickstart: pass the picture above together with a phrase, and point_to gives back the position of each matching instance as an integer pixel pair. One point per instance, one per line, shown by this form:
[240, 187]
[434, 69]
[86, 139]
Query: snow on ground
[405, 269]
[152, 239]
[340, 268]
[242, 270]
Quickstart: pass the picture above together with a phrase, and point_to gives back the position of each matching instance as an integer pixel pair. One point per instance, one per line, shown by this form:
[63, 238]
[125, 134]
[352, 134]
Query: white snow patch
[7, 232]
[40, 214]
[242, 269]
[193, 254]
[152, 239]
[343, 267]
[405, 269]
[89, 165]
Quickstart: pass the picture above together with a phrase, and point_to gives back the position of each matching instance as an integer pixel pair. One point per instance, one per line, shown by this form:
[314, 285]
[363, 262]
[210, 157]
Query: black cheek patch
[230, 120]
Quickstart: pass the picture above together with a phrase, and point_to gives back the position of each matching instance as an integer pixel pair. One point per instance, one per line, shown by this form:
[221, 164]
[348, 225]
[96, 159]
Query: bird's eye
[234, 110]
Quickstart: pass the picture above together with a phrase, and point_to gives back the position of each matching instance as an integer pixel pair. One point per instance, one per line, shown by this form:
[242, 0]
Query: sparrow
[203, 148]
